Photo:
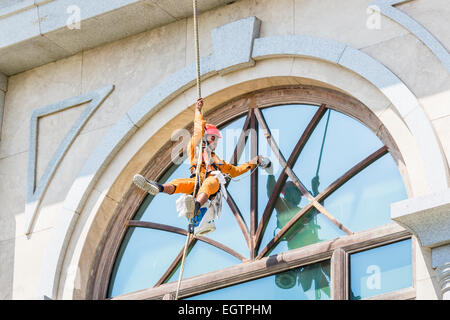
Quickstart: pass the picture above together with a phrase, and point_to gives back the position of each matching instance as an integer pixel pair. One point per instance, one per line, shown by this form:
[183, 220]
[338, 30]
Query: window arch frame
[337, 250]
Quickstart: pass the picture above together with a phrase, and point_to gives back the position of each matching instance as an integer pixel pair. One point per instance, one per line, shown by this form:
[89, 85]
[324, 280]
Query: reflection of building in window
[303, 233]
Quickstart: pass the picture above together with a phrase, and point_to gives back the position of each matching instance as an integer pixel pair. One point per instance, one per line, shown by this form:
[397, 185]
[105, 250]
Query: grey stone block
[10, 7]
[29, 54]
[387, 8]
[440, 256]
[56, 12]
[98, 27]
[182, 9]
[381, 77]
[19, 27]
[302, 46]
[233, 43]
[168, 89]
[428, 217]
[36, 190]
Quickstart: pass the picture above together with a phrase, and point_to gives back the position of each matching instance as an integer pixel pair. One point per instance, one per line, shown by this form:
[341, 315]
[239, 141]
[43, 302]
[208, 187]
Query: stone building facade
[92, 92]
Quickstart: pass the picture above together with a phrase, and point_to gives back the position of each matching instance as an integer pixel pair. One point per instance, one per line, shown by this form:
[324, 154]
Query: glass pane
[287, 124]
[364, 201]
[144, 256]
[204, 258]
[162, 207]
[288, 204]
[239, 187]
[312, 228]
[228, 231]
[380, 270]
[346, 143]
[310, 282]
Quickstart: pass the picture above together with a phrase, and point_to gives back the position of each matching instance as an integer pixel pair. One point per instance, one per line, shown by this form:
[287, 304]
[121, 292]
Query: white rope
[197, 49]
[199, 159]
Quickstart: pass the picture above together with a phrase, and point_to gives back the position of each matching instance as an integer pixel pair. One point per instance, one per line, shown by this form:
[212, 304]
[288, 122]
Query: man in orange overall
[210, 162]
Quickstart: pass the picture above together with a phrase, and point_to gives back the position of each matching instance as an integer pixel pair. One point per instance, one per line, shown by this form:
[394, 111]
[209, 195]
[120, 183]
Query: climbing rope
[200, 149]
[197, 49]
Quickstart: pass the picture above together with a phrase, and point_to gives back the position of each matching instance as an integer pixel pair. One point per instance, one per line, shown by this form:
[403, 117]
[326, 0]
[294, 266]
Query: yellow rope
[199, 94]
[199, 159]
[197, 50]
[188, 238]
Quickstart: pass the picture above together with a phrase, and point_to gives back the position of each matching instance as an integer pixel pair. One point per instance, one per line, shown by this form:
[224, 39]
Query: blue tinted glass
[143, 258]
[310, 282]
[239, 188]
[364, 201]
[204, 258]
[312, 228]
[287, 123]
[346, 143]
[288, 204]
[162, 207]
[267, 179]
[228, 232]
[380, 270]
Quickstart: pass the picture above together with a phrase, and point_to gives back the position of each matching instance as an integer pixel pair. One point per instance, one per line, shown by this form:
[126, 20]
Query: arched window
[317, 227]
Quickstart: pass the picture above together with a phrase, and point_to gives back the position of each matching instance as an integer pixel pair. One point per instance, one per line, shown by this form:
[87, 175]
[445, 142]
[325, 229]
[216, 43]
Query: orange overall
[211, 184]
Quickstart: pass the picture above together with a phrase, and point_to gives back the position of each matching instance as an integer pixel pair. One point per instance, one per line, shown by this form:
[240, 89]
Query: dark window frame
[258, 265]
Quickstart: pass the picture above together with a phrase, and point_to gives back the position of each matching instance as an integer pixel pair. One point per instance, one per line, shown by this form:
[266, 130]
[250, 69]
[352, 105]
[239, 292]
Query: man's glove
[266, 164]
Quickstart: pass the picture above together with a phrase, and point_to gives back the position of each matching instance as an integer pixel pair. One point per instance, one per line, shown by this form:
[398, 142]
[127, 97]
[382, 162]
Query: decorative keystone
[233, 43]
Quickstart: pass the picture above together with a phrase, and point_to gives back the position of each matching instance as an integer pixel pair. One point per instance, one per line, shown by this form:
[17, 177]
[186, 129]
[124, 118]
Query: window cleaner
[206, 184]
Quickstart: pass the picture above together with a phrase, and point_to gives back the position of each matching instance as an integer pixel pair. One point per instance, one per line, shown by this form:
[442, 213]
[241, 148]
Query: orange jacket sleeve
[235, 171]
[199, 131]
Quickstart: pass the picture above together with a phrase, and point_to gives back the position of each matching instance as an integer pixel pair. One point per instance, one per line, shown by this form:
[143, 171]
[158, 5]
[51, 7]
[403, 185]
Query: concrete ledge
[387, 8]
[299, 46]
[428, 217]
[36, 32]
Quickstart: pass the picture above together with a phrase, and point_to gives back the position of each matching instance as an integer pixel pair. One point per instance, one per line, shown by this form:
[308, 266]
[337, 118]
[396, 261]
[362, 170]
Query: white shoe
[206, 224]
[189, 203]
[145, 184]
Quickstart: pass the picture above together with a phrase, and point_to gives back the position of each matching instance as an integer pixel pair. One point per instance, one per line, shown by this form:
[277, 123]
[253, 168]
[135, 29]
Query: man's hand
[199, 105]
[255, 160]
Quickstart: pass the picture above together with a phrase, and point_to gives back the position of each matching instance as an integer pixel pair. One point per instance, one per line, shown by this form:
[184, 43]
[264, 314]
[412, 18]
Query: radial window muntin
[253, 231]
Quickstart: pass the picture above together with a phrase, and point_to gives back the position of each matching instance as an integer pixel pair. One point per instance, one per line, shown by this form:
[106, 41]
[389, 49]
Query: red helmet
[212, 129]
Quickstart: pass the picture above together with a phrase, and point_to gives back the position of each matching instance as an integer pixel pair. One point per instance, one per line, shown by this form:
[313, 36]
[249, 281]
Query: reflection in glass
[312, 227]
[144, 256]
[287, 124]
[204, 258]
[287, 205]
[310, 282]
[364, 201]
[266, 181]
[380, 270]
[336, 145]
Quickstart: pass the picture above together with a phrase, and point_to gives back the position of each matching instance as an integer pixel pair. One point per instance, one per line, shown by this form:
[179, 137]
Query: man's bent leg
[210, 186]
